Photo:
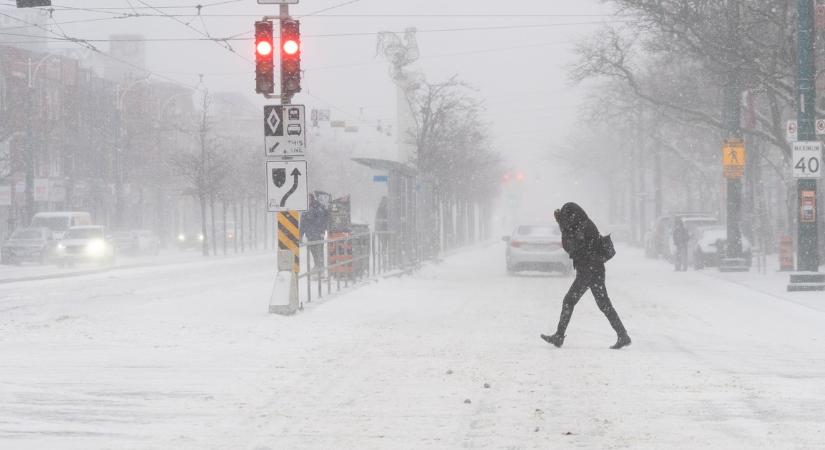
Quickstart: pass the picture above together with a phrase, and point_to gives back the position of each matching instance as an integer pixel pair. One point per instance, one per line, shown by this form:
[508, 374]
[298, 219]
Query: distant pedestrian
[681, 237]
[314, 224]
[582, 241]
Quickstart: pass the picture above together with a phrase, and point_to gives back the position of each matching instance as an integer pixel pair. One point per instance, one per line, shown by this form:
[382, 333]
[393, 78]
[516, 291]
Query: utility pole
[733, 150]
[807, 242]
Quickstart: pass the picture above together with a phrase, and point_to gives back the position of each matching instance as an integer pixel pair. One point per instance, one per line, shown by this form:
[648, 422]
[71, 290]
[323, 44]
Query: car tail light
[515, 244]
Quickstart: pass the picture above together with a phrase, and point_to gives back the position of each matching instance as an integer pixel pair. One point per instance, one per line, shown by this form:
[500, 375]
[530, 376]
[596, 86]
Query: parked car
[85, 244]
[28, 244]
[136, 242]
[60, 221]
[659, 239]
[126, 242]
[709, 245]
[620, 232]
[536, 247]
[149, 242]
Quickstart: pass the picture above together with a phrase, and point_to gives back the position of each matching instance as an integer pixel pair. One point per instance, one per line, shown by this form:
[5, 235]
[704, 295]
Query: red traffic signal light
[263, 48]
[290, 57]
[264, 68]
[291, 47]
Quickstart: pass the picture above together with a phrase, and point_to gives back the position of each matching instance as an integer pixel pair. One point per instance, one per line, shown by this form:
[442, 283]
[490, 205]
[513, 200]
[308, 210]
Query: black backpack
[606, 250]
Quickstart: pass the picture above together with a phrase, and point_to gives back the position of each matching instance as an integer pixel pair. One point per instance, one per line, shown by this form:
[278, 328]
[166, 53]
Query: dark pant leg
[683, 257]
[577, 289]
[317, 252]
[599, 290]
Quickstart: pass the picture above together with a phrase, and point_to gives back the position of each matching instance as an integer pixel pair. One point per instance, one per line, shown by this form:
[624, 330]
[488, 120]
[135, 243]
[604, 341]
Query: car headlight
[96, 247]
[200, 237]
[61, 247]
[181, 237]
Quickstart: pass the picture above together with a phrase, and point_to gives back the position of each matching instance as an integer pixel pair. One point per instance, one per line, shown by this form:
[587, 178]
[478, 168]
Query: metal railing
[349, 259]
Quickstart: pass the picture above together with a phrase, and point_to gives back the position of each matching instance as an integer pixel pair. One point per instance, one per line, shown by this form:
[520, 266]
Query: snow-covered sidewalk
[185, 356]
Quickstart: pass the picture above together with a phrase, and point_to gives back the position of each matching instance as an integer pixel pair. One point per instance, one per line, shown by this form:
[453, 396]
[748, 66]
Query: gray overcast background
[519, 72]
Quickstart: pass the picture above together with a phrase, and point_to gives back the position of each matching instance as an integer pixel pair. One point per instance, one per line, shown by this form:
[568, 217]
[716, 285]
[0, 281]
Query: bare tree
[203, 172]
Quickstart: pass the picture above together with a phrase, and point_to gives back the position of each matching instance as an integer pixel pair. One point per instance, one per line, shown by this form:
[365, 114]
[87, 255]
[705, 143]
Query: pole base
[284, 297]
[807, 282]
[734, 265]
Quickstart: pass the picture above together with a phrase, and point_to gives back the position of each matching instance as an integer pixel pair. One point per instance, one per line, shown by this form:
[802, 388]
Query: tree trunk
[251, 224]
[214, 233]
[242, 236]
[204, 231]
[223, 211]
[235, 225]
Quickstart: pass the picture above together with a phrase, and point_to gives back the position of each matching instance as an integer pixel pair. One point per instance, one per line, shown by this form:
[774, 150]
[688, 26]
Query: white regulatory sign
[286, 186]
[792, 129]
[807, 159]
[284, 130]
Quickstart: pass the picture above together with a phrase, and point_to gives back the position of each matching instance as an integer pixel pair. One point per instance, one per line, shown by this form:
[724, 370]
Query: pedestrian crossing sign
[733, 158]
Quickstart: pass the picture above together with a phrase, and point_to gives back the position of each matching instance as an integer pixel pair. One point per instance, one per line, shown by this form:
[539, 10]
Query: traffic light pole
[288, 258]
[807, 242]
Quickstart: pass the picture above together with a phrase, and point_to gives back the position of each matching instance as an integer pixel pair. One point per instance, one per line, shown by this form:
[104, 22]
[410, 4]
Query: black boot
[622, 341]
[555, 339]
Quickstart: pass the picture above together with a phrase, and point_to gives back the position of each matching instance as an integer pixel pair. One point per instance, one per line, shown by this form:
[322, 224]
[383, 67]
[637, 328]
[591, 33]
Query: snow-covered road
[185, 356]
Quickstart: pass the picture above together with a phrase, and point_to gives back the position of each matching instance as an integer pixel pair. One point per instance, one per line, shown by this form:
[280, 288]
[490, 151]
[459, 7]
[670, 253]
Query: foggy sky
[524, 83]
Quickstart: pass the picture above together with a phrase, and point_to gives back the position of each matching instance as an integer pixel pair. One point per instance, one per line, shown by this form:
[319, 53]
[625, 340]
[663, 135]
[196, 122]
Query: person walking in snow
[681, 237]
[582, 241]
[314, 223]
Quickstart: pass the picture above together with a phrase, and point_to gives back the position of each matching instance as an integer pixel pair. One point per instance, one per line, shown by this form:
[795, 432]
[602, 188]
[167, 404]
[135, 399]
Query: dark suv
[28, 244]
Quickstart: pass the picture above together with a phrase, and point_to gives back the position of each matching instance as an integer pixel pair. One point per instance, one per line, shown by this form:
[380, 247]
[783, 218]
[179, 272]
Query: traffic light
[264, 50]
[290, 57]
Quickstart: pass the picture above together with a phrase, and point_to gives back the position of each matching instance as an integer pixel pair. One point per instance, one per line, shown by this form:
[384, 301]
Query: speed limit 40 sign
[807, 159]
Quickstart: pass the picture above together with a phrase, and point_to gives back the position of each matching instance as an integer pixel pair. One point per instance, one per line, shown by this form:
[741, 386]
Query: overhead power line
[206, 37]
[93, 48]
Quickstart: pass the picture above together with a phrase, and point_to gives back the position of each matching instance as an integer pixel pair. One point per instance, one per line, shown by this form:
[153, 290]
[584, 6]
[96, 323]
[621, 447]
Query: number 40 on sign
[807, 159]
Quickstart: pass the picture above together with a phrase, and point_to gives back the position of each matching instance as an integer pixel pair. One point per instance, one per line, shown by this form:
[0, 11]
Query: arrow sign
[282, 193]
[296, 174]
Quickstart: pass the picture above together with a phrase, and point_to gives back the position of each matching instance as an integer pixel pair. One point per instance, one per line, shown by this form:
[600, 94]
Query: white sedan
[536, 247]
[85, 244]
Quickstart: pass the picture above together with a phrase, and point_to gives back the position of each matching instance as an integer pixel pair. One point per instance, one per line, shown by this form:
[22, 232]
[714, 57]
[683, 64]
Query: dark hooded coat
[580, 237]
[314, 221]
